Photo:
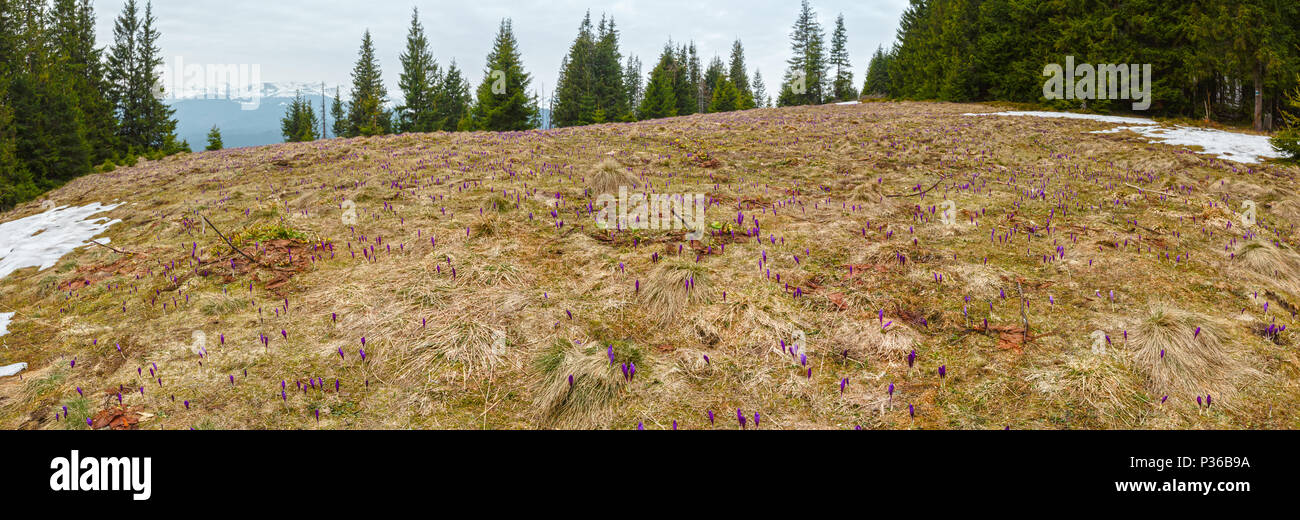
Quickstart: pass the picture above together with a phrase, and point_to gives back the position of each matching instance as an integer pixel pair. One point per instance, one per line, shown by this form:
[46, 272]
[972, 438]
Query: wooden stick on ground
[936, 185]
[1024, 317]
[1139, 188]
[227, 240]
[111, 248]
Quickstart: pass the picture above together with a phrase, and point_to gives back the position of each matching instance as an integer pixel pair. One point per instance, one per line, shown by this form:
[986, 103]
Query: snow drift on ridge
[42, 239]
[1231, 146]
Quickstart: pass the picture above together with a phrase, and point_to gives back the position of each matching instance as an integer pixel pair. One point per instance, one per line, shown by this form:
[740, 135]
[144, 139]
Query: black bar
[284, 469]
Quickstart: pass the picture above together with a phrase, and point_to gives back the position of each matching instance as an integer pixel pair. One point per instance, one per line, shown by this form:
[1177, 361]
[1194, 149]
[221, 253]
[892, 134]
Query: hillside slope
[830, 291]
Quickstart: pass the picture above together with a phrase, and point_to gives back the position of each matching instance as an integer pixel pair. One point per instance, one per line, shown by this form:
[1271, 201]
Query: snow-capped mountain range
[247, 118]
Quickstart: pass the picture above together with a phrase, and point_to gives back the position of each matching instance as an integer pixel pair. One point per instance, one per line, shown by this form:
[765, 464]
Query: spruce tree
[591, 85]
[16, 184]
[760, 91]
[877, 82]
[123, 76]
[691, 98]
[419, 82]
[632, 77]
[660, 98]
[453, 100]
[740, 77]
[299, 122]
[805, 78]
[726, 97]
[159, 123]
[1288, 140]
[145, 123]
[842, 84]
[685, 70]
[339, 114]
[367, 114]
[575, 100]
[503, 102]
[712, 75]
[214, 139]
[80, 62]
[49, 139]
[608, 81]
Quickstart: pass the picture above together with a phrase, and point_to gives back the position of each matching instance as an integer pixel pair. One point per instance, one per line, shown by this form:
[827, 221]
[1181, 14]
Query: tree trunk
[1208, 94]
[1259, 96]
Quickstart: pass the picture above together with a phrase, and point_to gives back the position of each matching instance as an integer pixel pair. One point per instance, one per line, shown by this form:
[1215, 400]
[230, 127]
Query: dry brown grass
[608, 176]
[584, 404]
[1270, 263]
[814, 177]
[1184, 356]
[672, 287]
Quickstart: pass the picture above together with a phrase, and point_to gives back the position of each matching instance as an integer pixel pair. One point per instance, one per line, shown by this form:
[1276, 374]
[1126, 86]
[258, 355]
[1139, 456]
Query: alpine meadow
[893, 215]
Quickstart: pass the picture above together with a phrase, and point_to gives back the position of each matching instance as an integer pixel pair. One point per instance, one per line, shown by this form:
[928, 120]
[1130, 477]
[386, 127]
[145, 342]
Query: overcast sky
[317, 40]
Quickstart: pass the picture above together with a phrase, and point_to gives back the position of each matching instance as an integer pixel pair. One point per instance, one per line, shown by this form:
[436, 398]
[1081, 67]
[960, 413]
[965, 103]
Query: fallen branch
[927, 190]
[113, 249]
[1024, 317]
[1139, 188]
[227, 240]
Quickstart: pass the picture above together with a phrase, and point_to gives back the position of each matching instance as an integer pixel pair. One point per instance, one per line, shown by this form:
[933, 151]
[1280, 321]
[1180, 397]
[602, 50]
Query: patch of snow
[42, 239]
[849, 103]
[12, 370]
[4, 322]
[1230, 146]
[1069, 115]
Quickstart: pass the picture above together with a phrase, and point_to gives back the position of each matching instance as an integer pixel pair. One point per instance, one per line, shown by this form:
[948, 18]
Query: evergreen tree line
[67, 104]
[815, 76]
[434, 99]
[1223, 60]
[596, 84]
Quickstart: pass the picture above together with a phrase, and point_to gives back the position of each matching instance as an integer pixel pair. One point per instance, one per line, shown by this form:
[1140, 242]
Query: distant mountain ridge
[197, 110]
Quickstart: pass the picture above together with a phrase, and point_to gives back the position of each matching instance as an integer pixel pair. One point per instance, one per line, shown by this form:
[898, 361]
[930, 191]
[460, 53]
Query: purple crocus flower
[710, 416]
[741, 416]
